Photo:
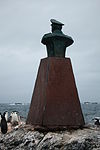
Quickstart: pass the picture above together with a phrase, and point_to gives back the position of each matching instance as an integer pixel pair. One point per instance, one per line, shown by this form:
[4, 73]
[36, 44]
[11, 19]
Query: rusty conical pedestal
[55, 102]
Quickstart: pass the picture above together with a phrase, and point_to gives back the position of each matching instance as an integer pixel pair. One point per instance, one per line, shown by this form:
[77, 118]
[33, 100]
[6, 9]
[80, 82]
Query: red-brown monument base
[55, 103]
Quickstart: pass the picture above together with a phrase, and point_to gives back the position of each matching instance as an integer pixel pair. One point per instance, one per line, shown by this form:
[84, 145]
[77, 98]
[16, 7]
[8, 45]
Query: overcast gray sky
[22, 25]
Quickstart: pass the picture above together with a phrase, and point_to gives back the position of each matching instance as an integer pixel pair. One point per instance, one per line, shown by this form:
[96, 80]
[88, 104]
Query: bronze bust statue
[56, 42]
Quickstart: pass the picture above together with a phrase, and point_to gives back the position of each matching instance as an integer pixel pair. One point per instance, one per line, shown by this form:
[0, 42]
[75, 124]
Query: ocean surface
[90, 110]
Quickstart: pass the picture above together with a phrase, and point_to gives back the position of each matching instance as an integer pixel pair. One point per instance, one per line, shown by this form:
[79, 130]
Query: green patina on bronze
[56, 42]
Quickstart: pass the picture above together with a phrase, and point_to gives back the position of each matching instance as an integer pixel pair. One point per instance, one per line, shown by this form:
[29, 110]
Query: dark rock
[16, 143]
[23, 139]
[74, 146]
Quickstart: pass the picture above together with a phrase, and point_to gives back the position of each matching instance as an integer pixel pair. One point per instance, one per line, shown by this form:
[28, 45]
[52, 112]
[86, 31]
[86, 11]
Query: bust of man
[56, 42]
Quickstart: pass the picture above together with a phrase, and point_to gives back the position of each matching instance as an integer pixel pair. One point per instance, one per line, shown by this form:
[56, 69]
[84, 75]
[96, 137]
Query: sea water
[90, 110]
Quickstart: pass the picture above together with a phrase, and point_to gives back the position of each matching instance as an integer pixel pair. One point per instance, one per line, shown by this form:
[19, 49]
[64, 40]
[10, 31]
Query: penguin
[97, 121]
[6, 115]
[0, 118]
[4, 127]
[14, 118]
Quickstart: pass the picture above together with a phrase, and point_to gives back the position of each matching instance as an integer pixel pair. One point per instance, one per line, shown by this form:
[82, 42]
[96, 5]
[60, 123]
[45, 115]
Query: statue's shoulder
[45, 37]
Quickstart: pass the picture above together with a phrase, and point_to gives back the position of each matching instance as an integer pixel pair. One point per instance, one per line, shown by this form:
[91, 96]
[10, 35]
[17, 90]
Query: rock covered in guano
[26, 138]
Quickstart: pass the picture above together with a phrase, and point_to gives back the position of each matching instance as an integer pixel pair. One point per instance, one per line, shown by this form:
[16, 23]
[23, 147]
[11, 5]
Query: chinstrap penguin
[4, 127]
[14, 118]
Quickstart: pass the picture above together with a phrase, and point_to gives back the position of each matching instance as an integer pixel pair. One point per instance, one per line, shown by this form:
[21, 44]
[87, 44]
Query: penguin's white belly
[0, 119]
[14, 118]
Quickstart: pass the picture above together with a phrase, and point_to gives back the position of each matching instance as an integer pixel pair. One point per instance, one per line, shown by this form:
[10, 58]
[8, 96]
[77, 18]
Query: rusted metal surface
[55, 101]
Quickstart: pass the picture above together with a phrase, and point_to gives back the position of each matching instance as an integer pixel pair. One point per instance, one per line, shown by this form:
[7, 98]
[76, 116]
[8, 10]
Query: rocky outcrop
[26, 138]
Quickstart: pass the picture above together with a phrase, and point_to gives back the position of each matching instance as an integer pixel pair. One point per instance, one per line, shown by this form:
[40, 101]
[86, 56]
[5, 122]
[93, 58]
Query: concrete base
[55, 102]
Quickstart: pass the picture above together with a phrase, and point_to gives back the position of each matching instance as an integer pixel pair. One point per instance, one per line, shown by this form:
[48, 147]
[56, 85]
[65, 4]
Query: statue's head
[56, 25]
